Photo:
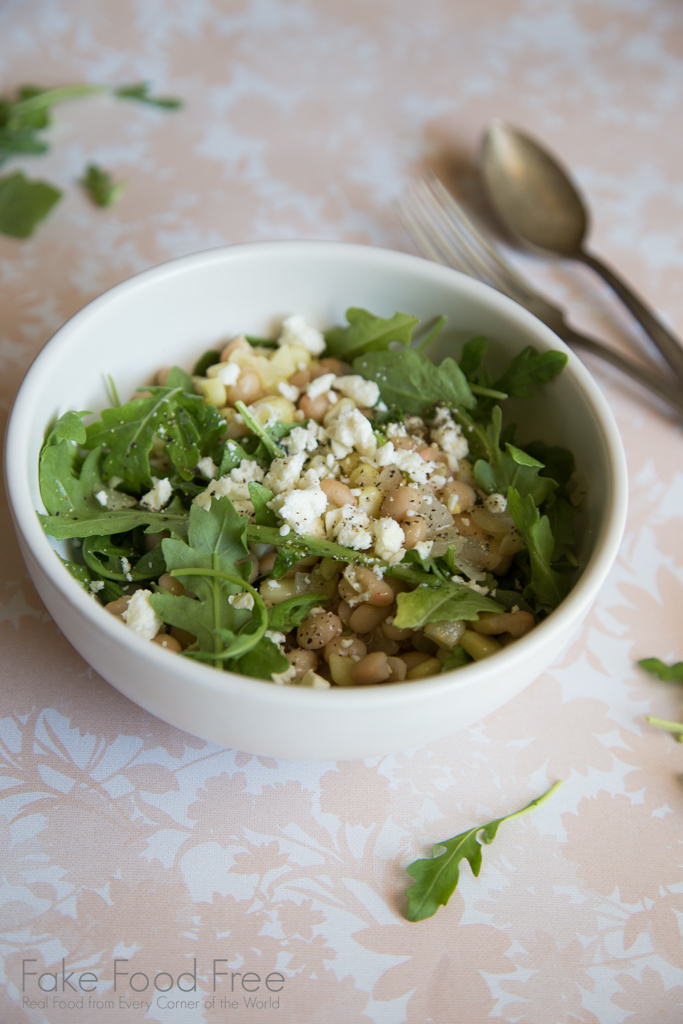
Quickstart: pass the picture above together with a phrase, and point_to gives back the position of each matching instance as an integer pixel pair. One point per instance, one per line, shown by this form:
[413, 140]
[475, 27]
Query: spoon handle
[667, 344]
[672, 395]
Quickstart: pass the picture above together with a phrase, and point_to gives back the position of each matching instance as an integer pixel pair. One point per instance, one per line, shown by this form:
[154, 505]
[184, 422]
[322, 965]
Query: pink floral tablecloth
[138, 863]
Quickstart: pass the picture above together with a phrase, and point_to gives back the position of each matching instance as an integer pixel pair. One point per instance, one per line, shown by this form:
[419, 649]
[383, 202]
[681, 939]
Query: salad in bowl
[320, 509]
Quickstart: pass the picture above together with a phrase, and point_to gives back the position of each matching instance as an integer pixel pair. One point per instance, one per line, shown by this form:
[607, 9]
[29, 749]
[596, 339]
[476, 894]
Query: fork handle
[642, 374]
[666, 342]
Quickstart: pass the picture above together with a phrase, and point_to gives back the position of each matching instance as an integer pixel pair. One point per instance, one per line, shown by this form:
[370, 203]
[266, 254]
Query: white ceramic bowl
[173, 313]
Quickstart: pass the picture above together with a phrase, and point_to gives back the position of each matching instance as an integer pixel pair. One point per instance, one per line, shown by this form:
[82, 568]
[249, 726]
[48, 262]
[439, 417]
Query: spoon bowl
[533, 195]
[538, 204]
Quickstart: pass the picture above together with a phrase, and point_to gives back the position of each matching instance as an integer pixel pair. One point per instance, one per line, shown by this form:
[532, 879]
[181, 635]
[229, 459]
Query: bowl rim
[208, 679]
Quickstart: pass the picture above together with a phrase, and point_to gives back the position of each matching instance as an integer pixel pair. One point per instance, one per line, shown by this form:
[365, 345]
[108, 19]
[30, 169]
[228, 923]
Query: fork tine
[442, 231]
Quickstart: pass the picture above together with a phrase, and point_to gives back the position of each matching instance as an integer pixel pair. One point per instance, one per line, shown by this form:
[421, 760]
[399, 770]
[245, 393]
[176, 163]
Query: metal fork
[443, 232]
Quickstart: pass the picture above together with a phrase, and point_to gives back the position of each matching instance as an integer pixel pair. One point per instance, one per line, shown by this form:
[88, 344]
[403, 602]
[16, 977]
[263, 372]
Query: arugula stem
[245, 642]
[661, 723]
[256, 428]
[116, 401]
[432, 333]
[51, 97]
[308, 545]
[539, 800]
[477, 389]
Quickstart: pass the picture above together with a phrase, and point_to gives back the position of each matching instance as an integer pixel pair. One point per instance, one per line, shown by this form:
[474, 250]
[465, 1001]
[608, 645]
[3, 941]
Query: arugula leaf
[291, 613]
[17, 141]
[260, 496]
[190, 426]
[140, 91]
[514, 468]
[24, 203]
[67, 483]
[558, 462]
[472, 356]
[208, 566]
[261, 661]
[103, 523]
[368, 333]
[104, 558]
[179, 378]
[78, 571]
[100, 186]
[263, 433]
[529, 370]
[233, 453]
[286, 557]
[410, 380]
[668, 673]
[561, 516]
[445, 602]
[547, 586]
[210, 358]
[437, 876]
[456, 659]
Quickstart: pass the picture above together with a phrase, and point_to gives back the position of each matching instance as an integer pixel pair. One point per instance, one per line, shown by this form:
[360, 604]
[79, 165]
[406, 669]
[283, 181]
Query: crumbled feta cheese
[320, 385]
[140, 616]
[389, 538]
[284, 678]
[207, 467]
[449, 436]
[301, 509]
[424, 548]
[408, 462]
[276, 637]
[351, 429]
[394, 430]
[315, 681]
[284, 473]
[295, 331]
[247, 471]
[234, 485]
[96, 586]
[290, 391]
[243, 601]
[302, 439]
[159, 496]
[476, 587]
[495, 502]
[339, 452]
[102, 498]
[227, 373]
[285, 530]
[126, 569]
[349, 526]
[363, 392]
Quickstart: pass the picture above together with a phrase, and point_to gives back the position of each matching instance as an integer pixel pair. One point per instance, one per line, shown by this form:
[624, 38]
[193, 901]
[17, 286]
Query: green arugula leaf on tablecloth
[100, 186]
[437, 876]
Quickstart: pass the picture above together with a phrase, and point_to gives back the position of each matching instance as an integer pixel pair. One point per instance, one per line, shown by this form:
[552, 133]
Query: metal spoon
[537, 202]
